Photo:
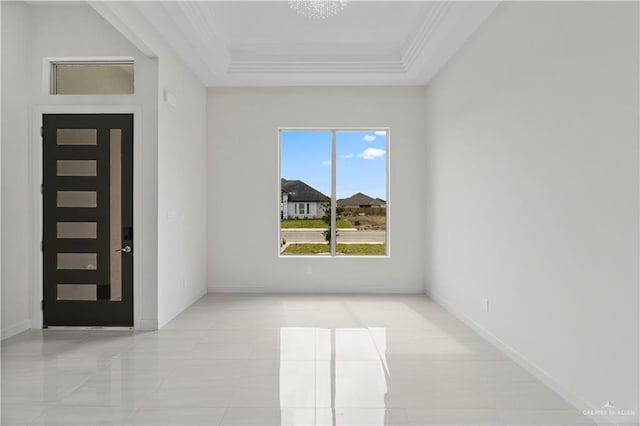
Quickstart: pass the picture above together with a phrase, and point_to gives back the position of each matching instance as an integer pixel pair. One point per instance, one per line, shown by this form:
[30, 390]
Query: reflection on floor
[276, 360]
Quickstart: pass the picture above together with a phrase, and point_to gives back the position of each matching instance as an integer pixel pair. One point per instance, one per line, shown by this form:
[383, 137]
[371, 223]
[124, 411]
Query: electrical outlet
[486, 305]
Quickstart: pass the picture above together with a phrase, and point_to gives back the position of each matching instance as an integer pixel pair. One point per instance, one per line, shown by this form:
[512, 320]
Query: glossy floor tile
[277, 360]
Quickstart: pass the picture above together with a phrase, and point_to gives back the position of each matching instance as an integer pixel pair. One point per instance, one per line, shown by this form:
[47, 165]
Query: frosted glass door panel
[85, 199]
[77, 292]
[77, 137]
[77, 261]
[77, 229]
[77, 167]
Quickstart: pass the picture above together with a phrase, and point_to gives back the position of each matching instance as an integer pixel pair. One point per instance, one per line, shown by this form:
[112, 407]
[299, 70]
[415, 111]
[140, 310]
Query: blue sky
[361, 161]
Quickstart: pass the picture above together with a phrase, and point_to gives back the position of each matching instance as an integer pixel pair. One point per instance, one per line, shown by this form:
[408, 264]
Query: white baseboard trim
[145, 325]
[288, 290]
[15, 329]
[524, 362]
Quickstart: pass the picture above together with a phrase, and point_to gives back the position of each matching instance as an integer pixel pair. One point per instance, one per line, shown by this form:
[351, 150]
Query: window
[333, 192]
[92, 77]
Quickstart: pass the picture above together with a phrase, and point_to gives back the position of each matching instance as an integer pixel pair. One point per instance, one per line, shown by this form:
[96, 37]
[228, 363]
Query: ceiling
[265, 43]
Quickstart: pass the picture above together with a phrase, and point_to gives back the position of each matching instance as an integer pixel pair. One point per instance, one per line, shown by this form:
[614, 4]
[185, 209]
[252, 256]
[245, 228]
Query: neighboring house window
[337, 179]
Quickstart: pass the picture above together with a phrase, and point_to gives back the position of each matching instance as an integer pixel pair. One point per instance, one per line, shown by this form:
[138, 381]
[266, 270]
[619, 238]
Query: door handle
[125, 249]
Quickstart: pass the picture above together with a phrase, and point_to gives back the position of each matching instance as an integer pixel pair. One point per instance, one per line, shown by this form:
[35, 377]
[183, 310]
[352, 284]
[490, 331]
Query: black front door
[88, 219]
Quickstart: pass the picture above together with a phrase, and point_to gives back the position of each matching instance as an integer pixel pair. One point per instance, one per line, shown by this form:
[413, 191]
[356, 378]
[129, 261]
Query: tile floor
[276, 360]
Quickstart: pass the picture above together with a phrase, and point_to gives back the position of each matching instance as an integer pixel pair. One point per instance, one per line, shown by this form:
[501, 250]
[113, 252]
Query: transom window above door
[92, 77]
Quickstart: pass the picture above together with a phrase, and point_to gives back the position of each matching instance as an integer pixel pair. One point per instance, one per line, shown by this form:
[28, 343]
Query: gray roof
[301, 192]
[361, 199]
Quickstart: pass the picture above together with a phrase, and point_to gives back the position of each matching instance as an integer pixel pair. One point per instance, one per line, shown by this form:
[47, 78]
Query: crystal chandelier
[317, 9]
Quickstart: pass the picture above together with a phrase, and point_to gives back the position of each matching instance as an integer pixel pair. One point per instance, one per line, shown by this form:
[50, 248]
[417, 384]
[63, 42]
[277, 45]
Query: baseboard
[15, 329]
[525, 363]
[290, 290]
[145, 325]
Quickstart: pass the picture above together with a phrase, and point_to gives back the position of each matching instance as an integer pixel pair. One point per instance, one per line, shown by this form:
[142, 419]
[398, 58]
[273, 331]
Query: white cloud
[327, 163]
[372, 153]
[381, 133]
[369, 138]
[347, 156]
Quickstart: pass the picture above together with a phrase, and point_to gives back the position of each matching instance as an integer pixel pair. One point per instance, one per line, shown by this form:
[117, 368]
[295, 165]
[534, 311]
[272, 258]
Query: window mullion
[334, 232]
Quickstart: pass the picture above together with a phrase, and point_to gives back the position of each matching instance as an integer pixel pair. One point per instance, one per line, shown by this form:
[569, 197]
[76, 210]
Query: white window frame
[333, 226]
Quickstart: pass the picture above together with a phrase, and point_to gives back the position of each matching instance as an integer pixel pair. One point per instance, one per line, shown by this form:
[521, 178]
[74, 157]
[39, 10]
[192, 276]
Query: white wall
[16, 227]
[182, 182]
[243, 159]
[532, 190]
[182, 199]
[170, 155]
[0, 173]
[30, 34]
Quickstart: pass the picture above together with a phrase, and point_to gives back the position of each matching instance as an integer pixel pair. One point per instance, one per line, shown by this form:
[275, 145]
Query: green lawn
[348, 249]
[312, 223]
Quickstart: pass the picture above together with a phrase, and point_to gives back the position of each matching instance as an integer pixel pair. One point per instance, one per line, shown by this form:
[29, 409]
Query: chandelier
[317, 9]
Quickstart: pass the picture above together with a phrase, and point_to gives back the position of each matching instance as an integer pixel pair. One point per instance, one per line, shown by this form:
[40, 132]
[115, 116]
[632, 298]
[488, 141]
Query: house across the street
[363, 205]
[361, 201]
[301, 201]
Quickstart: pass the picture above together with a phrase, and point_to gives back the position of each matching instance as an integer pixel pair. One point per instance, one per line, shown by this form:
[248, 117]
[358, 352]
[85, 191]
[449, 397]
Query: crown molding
[330, 58]
[430, 24]
[364, 67]
[208, 42]
[453, 26]
[121, 15]
[190, 30]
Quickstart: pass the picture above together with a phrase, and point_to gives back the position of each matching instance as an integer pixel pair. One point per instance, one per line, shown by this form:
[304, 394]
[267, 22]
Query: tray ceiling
[263, 43]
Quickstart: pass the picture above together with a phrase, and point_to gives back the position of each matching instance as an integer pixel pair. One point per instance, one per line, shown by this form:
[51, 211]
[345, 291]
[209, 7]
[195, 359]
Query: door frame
[35, 269]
